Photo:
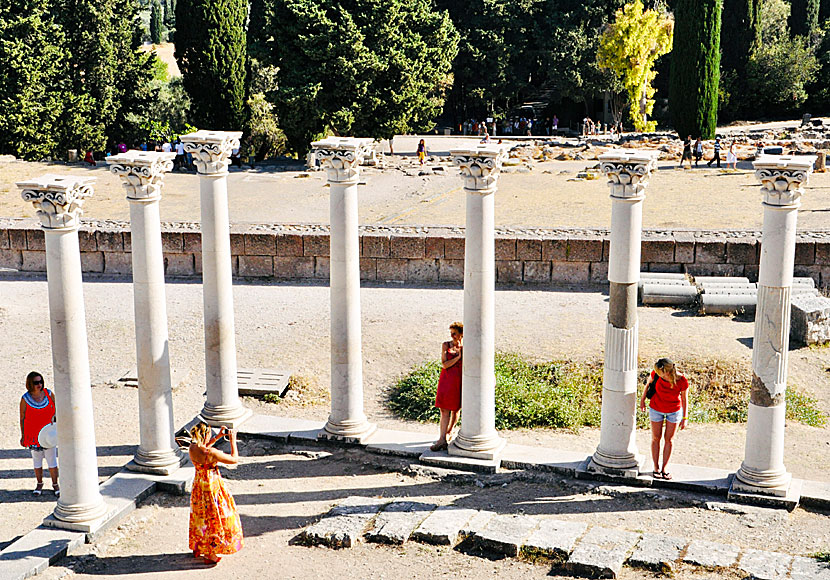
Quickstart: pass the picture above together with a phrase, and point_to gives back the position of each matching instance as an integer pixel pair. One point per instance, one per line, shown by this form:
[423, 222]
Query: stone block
[505, 249]
[109, 241]
[127, 236]
[261, 244]
[810, 319]
[291, 267]
[606, 250]
[33, 552]
[657, 553]
[289, 245]
[805, 253]
[709, 251]
[751, 272]
[343, 525]
[4, 239]
[369, 268]
[398, 520]
[601, 553]
[657, 250]
[570, 272]
[443, 526]
[316, 245]
[823, 252]
[11, 259]
[542, 459]
[322, 268]
[684, 247]
[413, 247]
[762, 565]
[277, 428]
[392, 269]
[422, 270]
[584, 249]
[399, 443]
[553, 539]
[118, 263]
[505, 534]
[33, 261]
[87, 241]
[715, 269]
[451, 270]
[478, 521]
[375, 246]
[508, 271]
[92, 262]
[180, 265]
[237, 244]
[192, 242]
[529, 250]
[17, 239]
[197, 259]
[172, 242]
[743, 251]
[454, 248]
[813, 272]
[35, 240]
[809, 569]
[536, 272]
[662, 267]
[599, 272]
[711, 554]
[434, 248]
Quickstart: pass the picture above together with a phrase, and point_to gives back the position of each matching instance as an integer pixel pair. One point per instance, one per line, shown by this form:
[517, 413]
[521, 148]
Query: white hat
[48, 436]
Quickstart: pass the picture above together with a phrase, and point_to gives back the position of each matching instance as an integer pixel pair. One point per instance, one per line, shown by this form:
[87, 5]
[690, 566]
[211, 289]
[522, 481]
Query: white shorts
[51, 456]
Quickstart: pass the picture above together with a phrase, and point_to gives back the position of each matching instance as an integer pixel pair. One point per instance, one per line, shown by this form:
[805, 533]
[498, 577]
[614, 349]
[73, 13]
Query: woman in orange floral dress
[215, 529]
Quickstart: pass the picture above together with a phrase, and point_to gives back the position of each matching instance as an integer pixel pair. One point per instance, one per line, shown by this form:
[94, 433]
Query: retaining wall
[419, 255]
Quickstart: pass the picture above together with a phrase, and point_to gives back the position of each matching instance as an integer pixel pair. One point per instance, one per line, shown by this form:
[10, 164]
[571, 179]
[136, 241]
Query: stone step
[809, 569]
[443, 526]
[344, 524]
[762, 565]
[601, 553]
[395, 524]
[553, 539]
[657, 552]
[711, 554]
[505, 534]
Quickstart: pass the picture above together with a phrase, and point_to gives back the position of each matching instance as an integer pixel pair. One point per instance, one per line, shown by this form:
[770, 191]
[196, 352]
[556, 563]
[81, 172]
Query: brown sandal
[438, 446]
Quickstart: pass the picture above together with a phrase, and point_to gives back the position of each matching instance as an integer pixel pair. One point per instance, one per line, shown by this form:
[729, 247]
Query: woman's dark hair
[30, 380]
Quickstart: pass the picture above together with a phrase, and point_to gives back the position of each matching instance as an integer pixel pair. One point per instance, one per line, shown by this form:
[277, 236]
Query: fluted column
[211, 152]
[58, 200]
[628, 173]
[782, 181]
[480, 166]
[340, 157]
[143, 175]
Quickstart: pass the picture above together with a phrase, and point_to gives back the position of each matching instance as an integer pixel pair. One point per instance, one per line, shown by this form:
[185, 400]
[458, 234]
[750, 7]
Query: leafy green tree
[630, 46]
[695, 71]
[742, 22]
[819, 89]
[156, 22]
[211, 53]
[355, 66]
[777, 76]
[804, 17]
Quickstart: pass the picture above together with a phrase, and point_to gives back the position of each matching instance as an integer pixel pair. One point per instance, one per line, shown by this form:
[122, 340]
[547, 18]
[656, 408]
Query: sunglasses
[37, 382]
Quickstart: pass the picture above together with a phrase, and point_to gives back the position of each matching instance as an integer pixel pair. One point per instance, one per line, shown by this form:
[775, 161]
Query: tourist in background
[666, 391]
[687, 152]
[716, 156]
[732, 156]
[698, 151]
[422, 151]
[37, 410]
[215, 528]
[448, 394]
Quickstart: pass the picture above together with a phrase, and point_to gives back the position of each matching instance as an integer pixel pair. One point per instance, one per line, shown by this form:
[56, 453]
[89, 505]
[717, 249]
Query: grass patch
[567, 394]
[821, 556]
[302, 392]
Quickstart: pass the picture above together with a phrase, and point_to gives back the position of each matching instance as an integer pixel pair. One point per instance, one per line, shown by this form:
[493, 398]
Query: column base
[488, 448]
[225, 416]
[622, 469]
[80, 514]
[772, 483]
[348, 431]
[158, 463]
[782, 496]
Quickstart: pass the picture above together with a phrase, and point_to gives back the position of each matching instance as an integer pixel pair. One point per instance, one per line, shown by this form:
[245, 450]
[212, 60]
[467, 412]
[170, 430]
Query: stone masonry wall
[419, 255]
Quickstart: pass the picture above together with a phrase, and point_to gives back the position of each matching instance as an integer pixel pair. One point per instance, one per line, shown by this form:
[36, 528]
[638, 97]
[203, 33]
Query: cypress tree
[155, 22]
[824, 11]
[742, 21]
[695, 70]
[211, 54]
[804, 17]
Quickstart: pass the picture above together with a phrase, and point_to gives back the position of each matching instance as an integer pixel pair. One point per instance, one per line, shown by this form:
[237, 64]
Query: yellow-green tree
[629, 47]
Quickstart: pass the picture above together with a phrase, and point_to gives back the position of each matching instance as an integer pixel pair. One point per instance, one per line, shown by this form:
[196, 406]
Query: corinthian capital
[341, 157]
[142, 172]
[783, 177]
[628, 171]
[211, 150]
[57, 199]
[480, 166]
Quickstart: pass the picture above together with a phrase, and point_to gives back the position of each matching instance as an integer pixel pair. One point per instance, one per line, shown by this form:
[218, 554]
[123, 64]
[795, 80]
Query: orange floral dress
[215, 528]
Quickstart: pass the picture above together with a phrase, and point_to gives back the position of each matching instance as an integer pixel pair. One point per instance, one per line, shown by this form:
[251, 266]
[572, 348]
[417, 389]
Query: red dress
[448, 394]
[215, 529]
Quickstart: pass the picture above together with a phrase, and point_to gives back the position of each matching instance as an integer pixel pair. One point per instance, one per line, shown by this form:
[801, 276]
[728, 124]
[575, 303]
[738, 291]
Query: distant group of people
[696, 150]
[514, 126]
[589, 127]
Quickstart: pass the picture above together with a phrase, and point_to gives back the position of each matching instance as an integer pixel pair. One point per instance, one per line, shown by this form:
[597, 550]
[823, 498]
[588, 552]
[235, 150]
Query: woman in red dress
[37, 409]
[448, 394]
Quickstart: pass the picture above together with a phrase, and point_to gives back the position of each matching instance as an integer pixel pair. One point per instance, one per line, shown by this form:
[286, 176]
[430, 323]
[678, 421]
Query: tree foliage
[742, 21]
[630, 46]
[211, 51]
[355, 66]
[156, 22]
[804, 16]
[695, 71]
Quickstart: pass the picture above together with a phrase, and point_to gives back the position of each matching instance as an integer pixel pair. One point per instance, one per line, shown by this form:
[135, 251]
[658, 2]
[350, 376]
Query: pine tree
[211, 52]
[742, 22]
[695, 71]
[804, 17]
[156, 22]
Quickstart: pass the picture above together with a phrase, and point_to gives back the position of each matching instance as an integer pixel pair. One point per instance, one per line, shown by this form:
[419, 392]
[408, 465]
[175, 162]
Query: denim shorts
[658, 417]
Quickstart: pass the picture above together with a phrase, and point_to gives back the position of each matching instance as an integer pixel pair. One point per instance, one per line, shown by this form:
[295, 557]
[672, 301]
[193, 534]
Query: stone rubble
[343, 525]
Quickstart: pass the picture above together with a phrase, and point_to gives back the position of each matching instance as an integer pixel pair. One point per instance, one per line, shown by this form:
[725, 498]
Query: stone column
[341, 157]
[762, 471]
[58, 200]
[628, 173]
[211, 152]
[143, 176]
[480, 166]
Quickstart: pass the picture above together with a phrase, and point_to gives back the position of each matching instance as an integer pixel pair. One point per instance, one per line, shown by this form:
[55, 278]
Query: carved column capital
[480, 166]
[628, 172]
[142, 173]
[57, 199]
[341, 157]
[783, 178]
[211, 150]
